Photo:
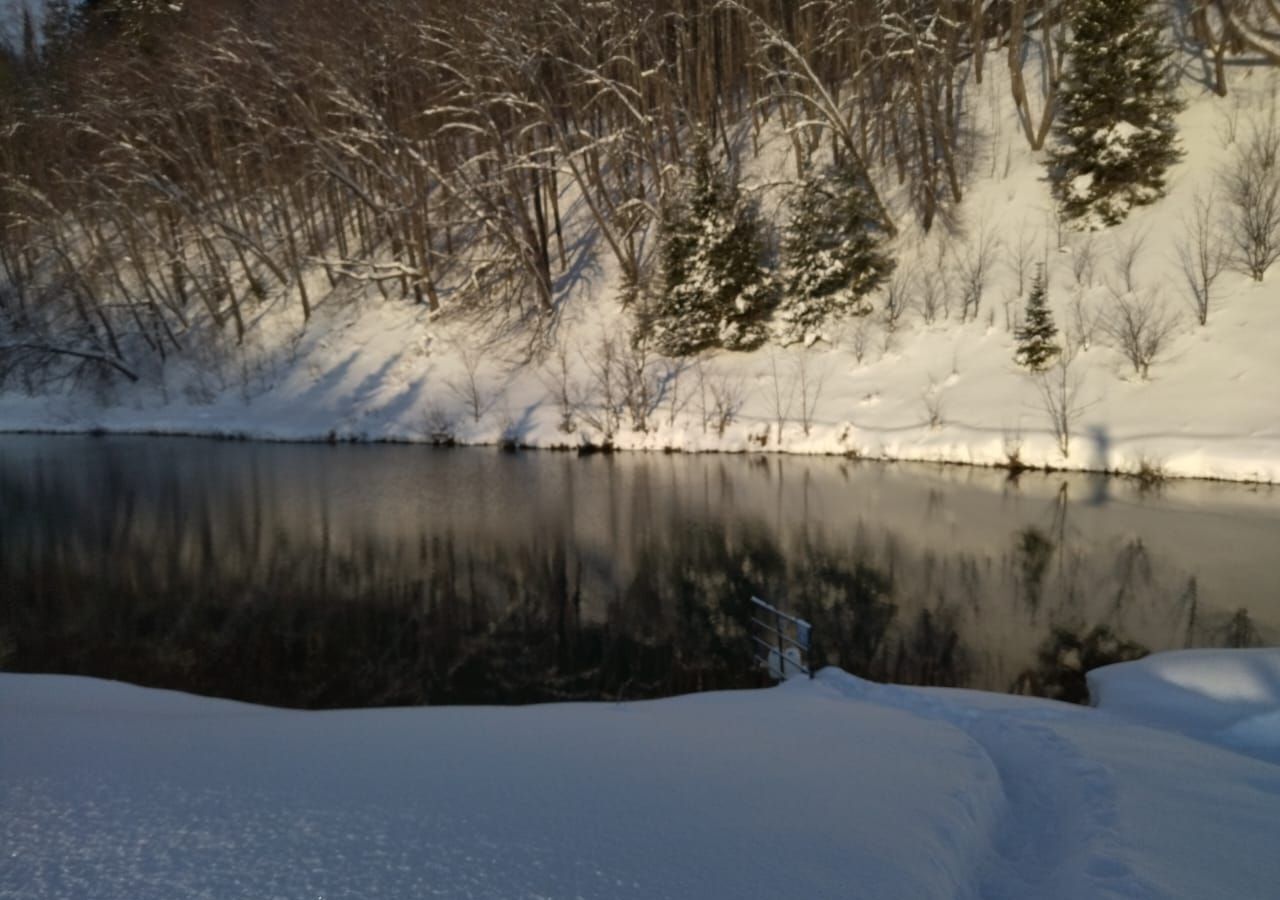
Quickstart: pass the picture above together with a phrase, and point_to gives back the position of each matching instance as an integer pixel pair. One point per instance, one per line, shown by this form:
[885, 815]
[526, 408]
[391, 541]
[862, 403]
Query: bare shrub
[1150, 473]
[1140, 326]
[604, 406]
[811, 386]
[974, 267]
[933, 296]
[1229, 119]
[624, 378]
[1252, 186]
[1082, 321]
[468, 386]
[1012, 441]
[860, 339]
[728, 395]
[557, 375]
[642, 381]
[897, 300]
[438, 426]
[1084, 260]
[1202, 254]
[1024, 255]
[1126, 260]
[931, 397]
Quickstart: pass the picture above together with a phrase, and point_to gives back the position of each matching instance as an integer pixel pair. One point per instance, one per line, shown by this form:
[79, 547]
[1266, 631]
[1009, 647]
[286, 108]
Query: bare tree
[797, 82]
[1059, 392]
[1252, 25]
[782, 395]
[672, 382]
[1213, 32]
[1202, 253]
[1140, 326]
[558, 377]
[1051, 20]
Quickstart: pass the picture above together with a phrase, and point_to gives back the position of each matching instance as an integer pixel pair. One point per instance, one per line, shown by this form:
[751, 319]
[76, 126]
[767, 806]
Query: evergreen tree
[1036, 338]
[1116, 131]
[714, 290]
[833, 255]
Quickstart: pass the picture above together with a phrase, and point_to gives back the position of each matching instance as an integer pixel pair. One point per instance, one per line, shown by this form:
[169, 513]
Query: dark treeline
[166, 168]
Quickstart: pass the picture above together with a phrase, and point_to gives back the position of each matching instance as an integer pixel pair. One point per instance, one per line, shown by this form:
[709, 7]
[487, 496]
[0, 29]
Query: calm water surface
[317, 576]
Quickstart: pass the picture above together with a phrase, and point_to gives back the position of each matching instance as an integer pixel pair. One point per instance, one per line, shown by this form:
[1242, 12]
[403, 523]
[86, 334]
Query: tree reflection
[1064, 658]
[221, 584]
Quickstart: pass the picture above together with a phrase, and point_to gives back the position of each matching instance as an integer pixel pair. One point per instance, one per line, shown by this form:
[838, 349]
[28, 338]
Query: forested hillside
[957, 229]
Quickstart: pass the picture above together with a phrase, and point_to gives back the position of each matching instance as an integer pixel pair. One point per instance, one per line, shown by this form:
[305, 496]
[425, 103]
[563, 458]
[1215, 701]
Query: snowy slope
[366, 368]
[832, 788]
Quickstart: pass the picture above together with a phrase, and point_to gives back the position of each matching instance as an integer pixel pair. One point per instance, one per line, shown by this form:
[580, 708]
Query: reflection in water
[1064, 658]
[351, 576]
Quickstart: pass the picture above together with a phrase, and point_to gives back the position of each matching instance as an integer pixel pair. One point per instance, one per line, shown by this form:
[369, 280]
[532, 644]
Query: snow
[828, 788]
[1229, 698]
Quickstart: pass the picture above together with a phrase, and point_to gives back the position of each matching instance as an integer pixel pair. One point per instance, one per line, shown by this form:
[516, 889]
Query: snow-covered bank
[833, 788]
[1228, 699]
[1213, 419]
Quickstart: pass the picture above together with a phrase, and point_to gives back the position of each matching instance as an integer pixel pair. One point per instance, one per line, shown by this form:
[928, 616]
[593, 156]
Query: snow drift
[830, 788]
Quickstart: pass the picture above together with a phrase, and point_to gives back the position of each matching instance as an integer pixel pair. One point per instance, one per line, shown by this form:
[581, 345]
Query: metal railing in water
[783, 643]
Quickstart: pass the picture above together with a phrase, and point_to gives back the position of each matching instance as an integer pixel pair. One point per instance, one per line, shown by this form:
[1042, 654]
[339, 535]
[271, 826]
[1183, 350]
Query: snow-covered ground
[367, 368]
[1228, 699]
[831, 788]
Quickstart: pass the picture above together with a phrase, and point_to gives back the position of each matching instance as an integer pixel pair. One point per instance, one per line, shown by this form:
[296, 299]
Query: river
[368, 575]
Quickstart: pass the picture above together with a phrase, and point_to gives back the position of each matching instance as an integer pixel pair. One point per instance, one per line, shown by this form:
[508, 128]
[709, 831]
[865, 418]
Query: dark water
[316, 576]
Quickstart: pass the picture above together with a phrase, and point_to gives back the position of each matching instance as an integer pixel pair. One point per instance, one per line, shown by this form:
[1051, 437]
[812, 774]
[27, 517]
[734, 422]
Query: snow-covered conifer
[1037, 343]
[714, 290]
[833, 253]
[1116, 133]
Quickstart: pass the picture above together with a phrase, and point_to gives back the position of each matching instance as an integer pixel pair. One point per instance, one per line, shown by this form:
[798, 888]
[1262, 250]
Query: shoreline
[1152, 478]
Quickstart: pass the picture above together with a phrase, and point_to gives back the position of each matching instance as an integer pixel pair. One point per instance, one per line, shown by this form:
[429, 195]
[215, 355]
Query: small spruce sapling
[1037, 338]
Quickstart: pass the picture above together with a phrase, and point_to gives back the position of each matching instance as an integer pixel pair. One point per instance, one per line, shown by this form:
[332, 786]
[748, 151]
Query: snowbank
[1226, 697]
[830, 788]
